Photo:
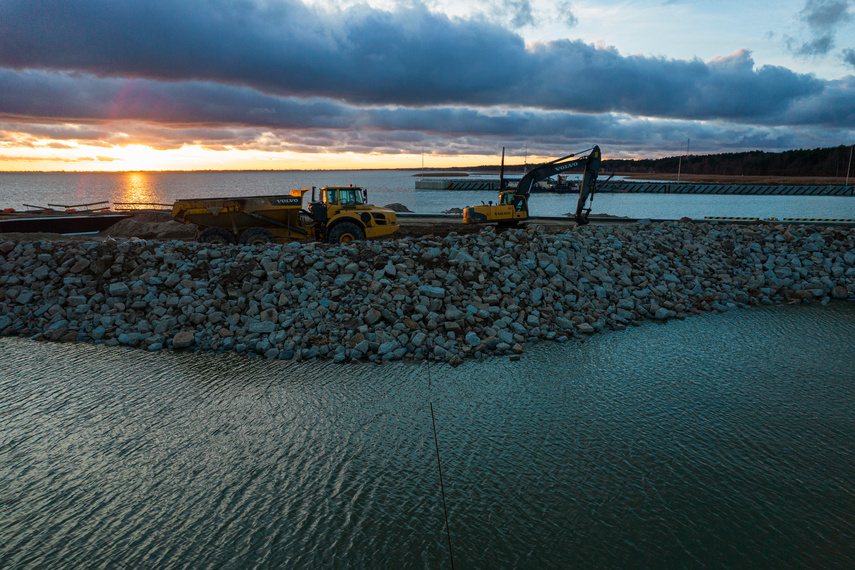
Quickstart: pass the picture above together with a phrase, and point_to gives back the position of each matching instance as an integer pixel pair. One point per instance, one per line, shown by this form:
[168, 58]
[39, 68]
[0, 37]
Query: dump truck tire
[256, 236]
[346, 232]
[216, 236]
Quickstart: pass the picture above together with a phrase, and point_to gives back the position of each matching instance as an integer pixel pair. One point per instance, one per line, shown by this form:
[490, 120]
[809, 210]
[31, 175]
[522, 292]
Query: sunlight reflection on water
[136, 187]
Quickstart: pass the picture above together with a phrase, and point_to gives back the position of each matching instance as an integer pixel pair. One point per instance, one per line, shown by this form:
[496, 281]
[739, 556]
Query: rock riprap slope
[455, 297]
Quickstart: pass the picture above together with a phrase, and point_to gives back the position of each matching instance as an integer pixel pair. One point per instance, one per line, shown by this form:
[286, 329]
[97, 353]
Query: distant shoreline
[461, 172]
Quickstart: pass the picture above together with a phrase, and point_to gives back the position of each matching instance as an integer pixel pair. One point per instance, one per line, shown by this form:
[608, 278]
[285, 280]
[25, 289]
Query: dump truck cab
[342, 214]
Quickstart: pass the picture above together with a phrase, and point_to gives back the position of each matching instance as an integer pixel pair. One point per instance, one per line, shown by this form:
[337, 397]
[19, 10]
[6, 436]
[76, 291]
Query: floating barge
[91, 219]
[563, 187]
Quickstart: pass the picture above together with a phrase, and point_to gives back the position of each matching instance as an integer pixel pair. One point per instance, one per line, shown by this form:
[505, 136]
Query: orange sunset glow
[290, 85]
[47, 157]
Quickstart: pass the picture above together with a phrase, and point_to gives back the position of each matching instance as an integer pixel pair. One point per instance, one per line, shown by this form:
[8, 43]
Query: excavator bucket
[588, 185]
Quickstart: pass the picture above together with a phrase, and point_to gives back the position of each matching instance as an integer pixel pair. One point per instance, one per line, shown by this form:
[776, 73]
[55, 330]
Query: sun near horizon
[50, 156]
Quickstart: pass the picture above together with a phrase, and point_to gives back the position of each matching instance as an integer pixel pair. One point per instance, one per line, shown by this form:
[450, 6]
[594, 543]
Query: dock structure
[457, 184]
[632, 187]
[629, 187]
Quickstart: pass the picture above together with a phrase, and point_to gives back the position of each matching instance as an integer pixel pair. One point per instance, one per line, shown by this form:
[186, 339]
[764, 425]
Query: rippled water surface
[722, 440]
[386, 187]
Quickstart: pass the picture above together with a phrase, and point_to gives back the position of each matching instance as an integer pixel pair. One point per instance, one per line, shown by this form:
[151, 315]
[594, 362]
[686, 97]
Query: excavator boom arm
[591, 165]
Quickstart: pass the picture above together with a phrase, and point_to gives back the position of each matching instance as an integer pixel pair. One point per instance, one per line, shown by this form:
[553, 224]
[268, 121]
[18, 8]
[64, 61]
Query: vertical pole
[850, 164]
[680, 162]
[502, 171]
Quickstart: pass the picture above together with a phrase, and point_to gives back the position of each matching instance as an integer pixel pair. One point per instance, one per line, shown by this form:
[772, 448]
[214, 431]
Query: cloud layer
[280, 74]
[822, 18]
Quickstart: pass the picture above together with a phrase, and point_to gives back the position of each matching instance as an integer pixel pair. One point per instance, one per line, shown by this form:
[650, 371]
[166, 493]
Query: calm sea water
[726, 440]
[386, 187]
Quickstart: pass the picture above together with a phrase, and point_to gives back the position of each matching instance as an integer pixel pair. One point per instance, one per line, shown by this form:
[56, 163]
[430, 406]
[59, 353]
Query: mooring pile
[455, 297]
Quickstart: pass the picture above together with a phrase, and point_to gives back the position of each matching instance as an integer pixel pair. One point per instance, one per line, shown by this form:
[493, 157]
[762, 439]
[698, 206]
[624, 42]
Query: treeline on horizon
[814, 162]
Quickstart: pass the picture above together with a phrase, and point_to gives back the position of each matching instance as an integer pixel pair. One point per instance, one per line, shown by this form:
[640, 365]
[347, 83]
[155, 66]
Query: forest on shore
[817, 162]
[814, 162]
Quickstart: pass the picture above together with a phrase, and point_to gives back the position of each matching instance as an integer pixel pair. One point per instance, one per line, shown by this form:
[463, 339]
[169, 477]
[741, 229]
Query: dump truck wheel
[346, 232]
[256, 236]
[216, 236]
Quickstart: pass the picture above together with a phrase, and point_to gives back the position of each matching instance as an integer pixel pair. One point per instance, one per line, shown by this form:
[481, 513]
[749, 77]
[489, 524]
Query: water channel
[725, 440]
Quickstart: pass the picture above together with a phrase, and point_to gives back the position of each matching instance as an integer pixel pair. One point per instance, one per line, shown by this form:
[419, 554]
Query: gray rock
[419, 338]
[372, 316]
[662, 313]
[261, 327]
[472, 339]
[80, 265]
[432, 292]
[75, 300]
[269, 315]
[454, 314]
[41, 272]
[184, 339]
[118, 289]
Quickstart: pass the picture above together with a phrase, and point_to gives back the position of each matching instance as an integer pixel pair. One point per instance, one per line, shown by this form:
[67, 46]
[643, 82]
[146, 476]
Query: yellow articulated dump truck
[340, 216]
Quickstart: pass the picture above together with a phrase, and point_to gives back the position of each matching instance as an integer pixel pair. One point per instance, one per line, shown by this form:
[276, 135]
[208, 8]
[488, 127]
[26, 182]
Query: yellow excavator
[512, 207]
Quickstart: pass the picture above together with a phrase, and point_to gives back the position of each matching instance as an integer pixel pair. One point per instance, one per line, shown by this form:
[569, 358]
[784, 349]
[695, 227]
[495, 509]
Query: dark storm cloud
[821, 17]
[84, 98]
[34, 96]
[849, 57]
[365, 56]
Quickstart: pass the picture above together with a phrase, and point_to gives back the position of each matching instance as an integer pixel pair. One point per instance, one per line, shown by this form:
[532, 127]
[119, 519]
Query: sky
[313, 84]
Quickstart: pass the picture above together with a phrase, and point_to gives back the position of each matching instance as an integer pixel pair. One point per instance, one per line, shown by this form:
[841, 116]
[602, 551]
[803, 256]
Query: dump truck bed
[239, 213]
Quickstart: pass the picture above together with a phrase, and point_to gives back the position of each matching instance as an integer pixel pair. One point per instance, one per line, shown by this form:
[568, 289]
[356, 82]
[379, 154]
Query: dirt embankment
[159, 225]
[152, 224]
